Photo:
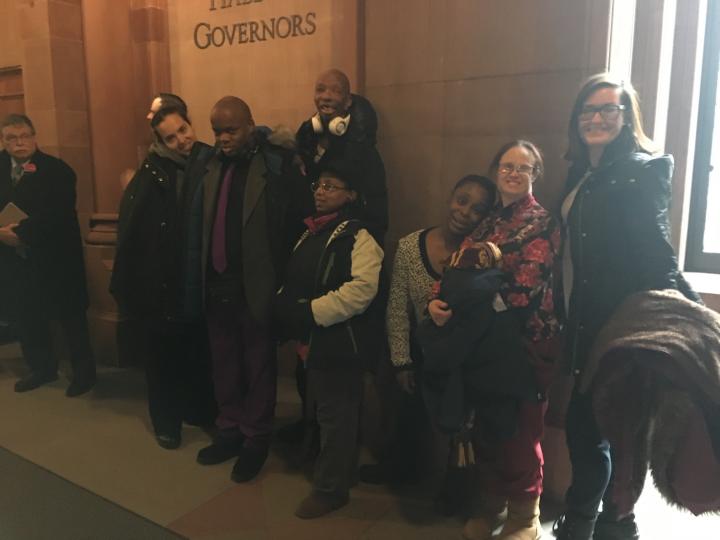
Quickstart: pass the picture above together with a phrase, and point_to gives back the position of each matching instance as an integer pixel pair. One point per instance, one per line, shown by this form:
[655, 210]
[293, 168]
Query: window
[703, 243]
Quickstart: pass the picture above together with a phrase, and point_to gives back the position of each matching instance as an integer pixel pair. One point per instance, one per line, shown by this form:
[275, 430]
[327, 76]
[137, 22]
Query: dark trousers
[409, 426]
[244, 371]
[589, 456]
[333, 401]
[409, 440]
[301, 382]
[178, 377]
[28, 304]
[36, 342]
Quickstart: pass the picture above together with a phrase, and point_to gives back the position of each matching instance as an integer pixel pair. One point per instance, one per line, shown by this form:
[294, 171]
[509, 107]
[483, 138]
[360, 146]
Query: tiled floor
[102, 442]
[36, 504]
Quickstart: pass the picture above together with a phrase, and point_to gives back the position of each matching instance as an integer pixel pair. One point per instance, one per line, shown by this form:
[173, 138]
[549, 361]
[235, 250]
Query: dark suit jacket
[53, 267]
[264, 236]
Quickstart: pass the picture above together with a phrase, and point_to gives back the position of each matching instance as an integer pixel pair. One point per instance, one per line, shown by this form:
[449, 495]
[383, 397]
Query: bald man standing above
[344, 129]
[246, 199]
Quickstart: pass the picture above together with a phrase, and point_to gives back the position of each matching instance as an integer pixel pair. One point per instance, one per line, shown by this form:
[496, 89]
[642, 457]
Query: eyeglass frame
[509, 168]
[326, 187]
[588, 112]
[15, 139]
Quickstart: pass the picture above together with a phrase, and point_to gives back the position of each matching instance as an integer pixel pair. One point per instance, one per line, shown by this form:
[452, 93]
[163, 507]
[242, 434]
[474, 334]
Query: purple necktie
[219, 257]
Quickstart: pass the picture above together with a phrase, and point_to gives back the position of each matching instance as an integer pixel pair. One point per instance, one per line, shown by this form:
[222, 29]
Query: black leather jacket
[619, 235]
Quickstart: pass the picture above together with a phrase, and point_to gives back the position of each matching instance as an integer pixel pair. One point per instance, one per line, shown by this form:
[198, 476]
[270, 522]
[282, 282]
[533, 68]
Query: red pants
[516, 465]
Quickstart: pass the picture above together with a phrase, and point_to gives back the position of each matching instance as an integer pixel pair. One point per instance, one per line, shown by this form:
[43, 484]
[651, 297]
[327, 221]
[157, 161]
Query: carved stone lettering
[205, 35]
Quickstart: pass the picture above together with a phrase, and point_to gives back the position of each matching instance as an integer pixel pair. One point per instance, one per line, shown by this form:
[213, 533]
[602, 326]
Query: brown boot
[491, 516]
[318, 504]
[523, 522]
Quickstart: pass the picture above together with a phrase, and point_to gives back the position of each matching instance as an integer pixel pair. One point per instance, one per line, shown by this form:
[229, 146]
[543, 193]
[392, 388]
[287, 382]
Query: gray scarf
[164, 152]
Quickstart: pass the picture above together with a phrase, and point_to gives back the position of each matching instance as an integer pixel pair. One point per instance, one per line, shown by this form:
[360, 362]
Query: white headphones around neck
[337, 126]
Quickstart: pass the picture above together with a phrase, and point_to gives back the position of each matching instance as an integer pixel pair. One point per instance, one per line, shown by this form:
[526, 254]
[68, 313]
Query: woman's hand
[406, 380]
[8, 236]
[439, 311]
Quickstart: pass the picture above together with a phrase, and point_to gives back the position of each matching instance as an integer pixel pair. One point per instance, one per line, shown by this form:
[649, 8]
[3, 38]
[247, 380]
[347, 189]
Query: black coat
[54, 266]
[357, 149]
[478, 360]
[157, 273]
[619, 235]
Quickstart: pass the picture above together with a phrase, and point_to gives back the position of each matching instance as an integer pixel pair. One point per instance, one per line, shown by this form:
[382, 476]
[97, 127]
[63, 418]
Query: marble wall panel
[404, 41]
[10, 44]
[65, 20]
[513, 36]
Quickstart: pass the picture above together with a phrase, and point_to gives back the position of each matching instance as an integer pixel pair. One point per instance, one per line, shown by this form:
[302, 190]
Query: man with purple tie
[246, 200]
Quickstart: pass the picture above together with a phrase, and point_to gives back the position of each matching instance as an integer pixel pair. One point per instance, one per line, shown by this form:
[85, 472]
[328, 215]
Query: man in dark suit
[246, 200]
[43, 253]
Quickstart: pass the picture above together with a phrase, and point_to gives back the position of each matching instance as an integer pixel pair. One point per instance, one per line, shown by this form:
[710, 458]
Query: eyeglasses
[508, 168]
[327, 187]
[14, 139]
[609, 111]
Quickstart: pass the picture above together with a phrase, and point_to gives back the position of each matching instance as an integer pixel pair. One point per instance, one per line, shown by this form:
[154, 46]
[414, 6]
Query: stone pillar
[151, 61]
[51, 38]
[132, 34]
[56, 99]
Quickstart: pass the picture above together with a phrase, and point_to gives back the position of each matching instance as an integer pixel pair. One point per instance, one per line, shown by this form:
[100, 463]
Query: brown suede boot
[523, 522]
[491, 516]
[318, 504]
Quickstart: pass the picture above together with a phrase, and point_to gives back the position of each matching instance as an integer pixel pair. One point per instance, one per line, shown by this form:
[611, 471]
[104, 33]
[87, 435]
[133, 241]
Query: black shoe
[80, 386]
[292, 433]
[221, 450]
[571, 527]
[34, 380]
[167, 441]
[623, 529]
[248, 464]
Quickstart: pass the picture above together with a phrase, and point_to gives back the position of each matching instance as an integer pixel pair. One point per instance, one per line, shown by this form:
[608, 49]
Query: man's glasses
[326, 186]
[508, 168]
[14, 139]
[609, 111]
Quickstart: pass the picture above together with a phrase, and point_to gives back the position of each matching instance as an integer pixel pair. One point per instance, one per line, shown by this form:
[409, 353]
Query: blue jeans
[589, 456]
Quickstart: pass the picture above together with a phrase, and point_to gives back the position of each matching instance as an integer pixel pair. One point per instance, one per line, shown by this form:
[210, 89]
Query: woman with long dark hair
[615, 214]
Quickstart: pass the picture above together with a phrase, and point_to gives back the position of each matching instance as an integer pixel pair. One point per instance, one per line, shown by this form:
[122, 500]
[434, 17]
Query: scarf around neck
[163, 151]
[316, 224]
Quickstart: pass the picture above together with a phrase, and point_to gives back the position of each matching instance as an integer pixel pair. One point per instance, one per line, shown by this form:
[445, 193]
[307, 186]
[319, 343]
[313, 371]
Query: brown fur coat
[654, 372]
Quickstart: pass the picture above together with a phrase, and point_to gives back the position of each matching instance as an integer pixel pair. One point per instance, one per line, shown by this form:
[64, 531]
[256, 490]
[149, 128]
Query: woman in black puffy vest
[617, 242]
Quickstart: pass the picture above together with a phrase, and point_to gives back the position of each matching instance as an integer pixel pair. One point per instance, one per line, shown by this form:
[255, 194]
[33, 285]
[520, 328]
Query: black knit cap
[343, 170]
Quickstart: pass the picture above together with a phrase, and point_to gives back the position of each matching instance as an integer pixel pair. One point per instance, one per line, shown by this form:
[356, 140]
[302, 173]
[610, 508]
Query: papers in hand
[11, 214]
